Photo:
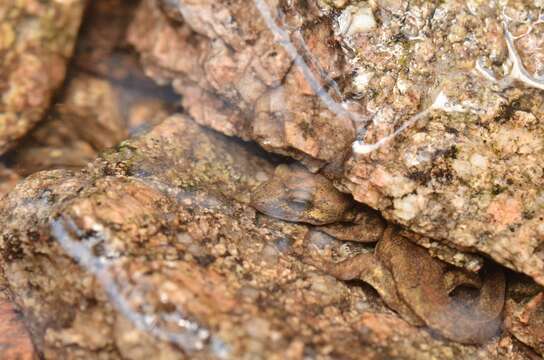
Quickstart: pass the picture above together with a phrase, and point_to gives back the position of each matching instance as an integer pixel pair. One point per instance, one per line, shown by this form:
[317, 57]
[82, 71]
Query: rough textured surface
[102, 51]
[242, 82]
[36, 41]
[451, 93]
[158, 234]
[102, 102]
[101, 48]
[468, 170]
[154, 249]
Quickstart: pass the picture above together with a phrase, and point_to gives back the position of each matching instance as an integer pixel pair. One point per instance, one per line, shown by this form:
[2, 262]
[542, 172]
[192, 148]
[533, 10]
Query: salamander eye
[300, 200]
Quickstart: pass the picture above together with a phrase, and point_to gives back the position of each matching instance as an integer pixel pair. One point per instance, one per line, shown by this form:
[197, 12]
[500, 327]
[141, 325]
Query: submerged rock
[105, 99]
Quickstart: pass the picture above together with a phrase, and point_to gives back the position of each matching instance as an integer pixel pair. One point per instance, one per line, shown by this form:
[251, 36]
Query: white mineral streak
[191, 338]
[298, 35]
[284, 40]
[282, 36]
[517, 69]
[441, 102]
[485, 72]
[361, 19]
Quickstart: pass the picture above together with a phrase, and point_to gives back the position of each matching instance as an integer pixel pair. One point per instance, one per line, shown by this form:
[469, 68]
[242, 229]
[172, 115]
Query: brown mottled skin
[525, 319]
[294, 194]
[370, 269]
[427, 291]
[439, 293]
[460, 305]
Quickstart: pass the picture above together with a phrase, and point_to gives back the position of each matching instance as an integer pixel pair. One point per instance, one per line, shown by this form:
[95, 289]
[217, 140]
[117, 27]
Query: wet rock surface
[36, 41]
[86, 120]
[183, 243]
[241, 82]
[153, 249]
[428, 112]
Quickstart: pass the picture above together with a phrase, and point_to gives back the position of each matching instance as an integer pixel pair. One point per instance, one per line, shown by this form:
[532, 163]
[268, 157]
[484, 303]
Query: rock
[97, 109]
[15, 342]
[443, 101]
[242, 82]
[101, 48]
[153, 249]
[94, 114]
[36, 41]
[103, 52]
[105, 99]
[494, 211]
[8, 180]
[87, 119]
